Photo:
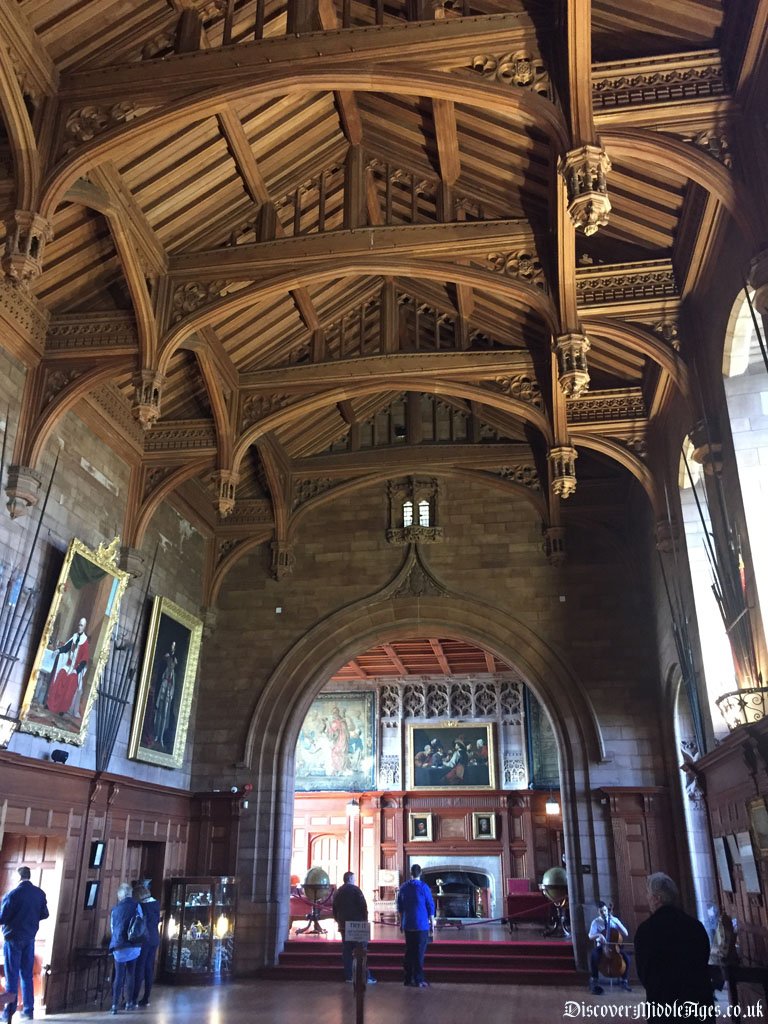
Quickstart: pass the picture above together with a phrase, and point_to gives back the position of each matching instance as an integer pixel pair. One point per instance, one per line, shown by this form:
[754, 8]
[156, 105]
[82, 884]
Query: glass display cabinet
[198, 939]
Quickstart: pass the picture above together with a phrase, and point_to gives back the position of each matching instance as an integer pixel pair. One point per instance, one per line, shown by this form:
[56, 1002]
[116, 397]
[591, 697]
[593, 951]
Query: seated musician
[600, 931]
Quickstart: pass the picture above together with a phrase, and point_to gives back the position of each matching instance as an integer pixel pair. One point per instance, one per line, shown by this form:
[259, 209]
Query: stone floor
[275, 1002]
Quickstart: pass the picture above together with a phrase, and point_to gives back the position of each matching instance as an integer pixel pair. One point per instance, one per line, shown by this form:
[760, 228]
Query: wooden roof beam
[395, 659]
[439, 653]
[151, 249]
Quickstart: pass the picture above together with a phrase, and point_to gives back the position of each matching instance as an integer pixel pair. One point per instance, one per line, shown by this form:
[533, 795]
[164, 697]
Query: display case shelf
[198, 940]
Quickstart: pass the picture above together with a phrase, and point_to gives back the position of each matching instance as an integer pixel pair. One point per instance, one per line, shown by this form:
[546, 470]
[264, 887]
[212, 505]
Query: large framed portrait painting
[337, 744]
[166, 687]
[451, 756]
[74, 646]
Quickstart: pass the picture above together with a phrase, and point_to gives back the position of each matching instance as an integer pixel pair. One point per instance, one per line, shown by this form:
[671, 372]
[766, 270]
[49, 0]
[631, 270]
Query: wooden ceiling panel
[651, 27]
[254, 336]
[81, 262]
[429, 656]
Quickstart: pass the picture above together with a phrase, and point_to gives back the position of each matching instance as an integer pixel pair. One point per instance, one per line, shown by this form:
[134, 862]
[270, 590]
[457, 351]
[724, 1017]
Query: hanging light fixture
[353, 808]
[552, 806]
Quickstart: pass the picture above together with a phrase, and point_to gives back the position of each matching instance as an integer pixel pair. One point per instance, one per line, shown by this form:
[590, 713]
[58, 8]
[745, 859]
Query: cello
[612, 964]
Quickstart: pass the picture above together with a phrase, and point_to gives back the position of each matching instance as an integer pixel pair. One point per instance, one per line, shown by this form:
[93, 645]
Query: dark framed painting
[483, 825]
[758, 816]
[74, 647]
[723, 861]
[97, 853]
[453, 755]
[419, 827]
[166, 687]
[336, 748]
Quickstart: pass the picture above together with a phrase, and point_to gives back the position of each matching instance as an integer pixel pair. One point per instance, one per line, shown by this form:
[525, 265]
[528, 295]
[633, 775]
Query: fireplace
[462, 878]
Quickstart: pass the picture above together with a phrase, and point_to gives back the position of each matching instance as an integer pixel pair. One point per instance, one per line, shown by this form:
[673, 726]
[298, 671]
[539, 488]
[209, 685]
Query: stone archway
[396, 612]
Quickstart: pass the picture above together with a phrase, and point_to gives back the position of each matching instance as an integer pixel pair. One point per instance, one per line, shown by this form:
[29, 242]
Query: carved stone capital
[282, 559]
[23, 490]
[26, 233]
[573, 373]
[707, 451]
[584, 172]
[131, 561]
[226, 482]
[148, 385]
[554, 545]
[562, 461]
[758, 278]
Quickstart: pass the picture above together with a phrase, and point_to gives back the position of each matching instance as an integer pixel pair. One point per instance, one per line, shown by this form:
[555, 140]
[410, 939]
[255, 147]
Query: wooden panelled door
[330, 851]
[45, 859]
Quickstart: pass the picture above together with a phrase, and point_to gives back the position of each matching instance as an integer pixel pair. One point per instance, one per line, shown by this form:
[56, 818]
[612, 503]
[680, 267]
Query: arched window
[424, 513]
[407, 513]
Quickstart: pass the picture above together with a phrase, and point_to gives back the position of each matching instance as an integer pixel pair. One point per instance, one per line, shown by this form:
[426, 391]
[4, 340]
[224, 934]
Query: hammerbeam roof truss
[295, 215]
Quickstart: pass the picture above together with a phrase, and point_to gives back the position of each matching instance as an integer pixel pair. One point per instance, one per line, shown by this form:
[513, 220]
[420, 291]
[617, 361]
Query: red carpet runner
[492, 963]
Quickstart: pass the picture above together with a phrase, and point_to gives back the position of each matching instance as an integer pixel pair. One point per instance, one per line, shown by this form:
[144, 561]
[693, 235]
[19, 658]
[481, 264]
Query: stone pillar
[584, 172]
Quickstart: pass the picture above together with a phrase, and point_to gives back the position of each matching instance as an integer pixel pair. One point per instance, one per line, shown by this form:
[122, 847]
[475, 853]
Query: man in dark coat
[349, 905]
[672, 949]
[22, 910]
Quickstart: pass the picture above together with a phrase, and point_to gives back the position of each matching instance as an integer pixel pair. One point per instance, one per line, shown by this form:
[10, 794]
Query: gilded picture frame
[452, 755]
[74, 647]
[166, 686]
[419, 827]
[483, 825]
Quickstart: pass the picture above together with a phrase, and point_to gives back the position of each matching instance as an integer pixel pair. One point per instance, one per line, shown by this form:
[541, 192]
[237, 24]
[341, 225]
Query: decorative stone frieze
[23, 490]
[625, 282]
[415, 535]
[73, 332]
[226, 482]
[607, 405]
[305, 490]
[87, 123]
[23, 313]
[585, 172]
[148, 390]
[554, 545]
[524, 474]
[282, 559]
[562, 461]
[181, 436]
[193, 295]
[573, 373]
[256, 407]
[676, 78]
[26, 233]
[523, 265]
[519, 69]
[251, 512]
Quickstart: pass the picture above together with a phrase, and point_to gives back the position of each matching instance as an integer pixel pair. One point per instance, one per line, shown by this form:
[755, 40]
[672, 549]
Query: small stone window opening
[413, 511]
[408, 513]
[424, 513]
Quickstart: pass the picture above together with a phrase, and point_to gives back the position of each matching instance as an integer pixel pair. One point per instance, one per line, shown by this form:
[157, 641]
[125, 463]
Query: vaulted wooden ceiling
[270, 227]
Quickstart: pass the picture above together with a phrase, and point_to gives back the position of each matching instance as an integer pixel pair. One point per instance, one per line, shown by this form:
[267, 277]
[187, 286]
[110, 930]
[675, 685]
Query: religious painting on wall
[164, 701]
[337, 744]
[74, 646]
[451, 756]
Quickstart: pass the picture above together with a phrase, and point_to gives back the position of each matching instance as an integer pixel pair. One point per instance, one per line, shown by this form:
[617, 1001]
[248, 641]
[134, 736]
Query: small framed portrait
[419, 827]
[75, 644]
[97, 853]
[758, 816]
[164, 702]
[91, 895]
[483, 825]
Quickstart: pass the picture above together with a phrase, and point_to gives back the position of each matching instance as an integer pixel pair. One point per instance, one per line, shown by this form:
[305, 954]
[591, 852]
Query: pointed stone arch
[414, 603]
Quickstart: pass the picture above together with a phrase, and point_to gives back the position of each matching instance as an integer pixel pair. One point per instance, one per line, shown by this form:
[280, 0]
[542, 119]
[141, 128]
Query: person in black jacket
[349, 905]
[125, 952]
[22, 910]
[145, 964]
[672, 950]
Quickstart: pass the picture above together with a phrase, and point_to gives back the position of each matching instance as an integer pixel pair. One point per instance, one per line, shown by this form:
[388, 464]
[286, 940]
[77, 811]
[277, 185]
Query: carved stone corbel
[584, 171]
[758, 279]
[148, 385]
[573, 373]
[210, 621]
[667, 536]
[131, 560]
[226, 481]
[23, 490]
[554, 545]
[26, 233]
[706, 450]
[562, 461]
[282, 559]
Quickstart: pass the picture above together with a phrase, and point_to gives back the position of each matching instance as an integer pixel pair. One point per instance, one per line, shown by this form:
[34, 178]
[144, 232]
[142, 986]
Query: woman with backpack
[145, 965]
[125, 944]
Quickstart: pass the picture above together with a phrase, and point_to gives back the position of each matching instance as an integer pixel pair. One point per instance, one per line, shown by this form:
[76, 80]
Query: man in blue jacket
[21, 912]
[417, 910]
